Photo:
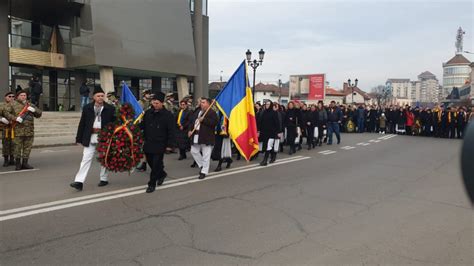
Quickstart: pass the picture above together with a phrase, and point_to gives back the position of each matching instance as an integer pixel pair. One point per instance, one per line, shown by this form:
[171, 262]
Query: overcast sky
[368, 40]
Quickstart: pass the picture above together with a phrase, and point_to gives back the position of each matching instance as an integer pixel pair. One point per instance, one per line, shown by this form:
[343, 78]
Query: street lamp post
[254, 64]
[279, 86]
[352, 87]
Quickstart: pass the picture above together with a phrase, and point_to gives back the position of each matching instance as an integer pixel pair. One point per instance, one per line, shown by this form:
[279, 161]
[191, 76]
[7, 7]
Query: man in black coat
[159, 132]
[95, 116]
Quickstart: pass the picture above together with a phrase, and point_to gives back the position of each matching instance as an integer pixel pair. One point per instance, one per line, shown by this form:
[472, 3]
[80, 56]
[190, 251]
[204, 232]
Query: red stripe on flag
[247, 142]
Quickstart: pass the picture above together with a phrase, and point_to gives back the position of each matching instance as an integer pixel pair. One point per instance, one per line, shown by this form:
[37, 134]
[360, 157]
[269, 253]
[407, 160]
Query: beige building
[425, 89]
[456, 73]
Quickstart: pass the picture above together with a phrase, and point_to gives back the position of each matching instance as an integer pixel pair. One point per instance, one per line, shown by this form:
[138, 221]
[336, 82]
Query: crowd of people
[181, 127]
[439, 121]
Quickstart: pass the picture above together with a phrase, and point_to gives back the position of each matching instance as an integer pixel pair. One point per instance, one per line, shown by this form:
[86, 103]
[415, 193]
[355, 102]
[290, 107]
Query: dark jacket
[84, 130]
[84, 90]
[207, 128]
[182, 138]
[292, 119]
[159, 130]
[334, 114]
[268, 125]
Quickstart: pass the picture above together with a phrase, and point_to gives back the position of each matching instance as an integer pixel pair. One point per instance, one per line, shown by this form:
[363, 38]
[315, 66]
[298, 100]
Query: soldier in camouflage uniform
[5, 126]
[145, 101]
[23, 128]
[169, 103]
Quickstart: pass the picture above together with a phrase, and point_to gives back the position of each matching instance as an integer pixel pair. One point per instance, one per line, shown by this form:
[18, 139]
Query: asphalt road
[371, 200]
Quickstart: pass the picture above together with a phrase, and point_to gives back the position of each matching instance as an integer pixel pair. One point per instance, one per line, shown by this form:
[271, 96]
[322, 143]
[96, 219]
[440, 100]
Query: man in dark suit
[202, 136]
[95, 116]
[158, 127]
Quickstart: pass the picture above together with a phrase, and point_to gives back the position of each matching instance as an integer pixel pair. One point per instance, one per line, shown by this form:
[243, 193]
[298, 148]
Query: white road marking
[171, 181]
[374, 140]
[387, 137]
[363, 144]
[327, 153]
[50, 151]
[347, 148]
[17, 172]
[179, 182]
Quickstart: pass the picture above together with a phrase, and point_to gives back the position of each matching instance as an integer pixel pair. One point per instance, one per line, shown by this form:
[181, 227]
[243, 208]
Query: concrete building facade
[150, 44]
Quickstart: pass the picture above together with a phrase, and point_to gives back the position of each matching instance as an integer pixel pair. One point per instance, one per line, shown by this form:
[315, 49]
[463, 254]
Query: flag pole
[204, 115]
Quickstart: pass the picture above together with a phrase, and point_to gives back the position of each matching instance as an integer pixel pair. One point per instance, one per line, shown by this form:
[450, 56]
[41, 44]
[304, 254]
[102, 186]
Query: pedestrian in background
[84, 91]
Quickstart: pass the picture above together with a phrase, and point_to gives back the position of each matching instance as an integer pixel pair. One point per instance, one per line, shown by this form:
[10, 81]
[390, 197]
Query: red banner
[316, 87]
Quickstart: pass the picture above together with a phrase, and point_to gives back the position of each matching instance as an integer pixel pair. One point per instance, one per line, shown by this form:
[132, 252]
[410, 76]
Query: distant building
[456, 73]
[263, 92]
[399, 91]
[457, 70]
[425, 89]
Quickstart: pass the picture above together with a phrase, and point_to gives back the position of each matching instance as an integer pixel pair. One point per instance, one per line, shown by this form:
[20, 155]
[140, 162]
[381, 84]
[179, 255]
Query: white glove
[5, 121]
[19, 120]
[31, 109]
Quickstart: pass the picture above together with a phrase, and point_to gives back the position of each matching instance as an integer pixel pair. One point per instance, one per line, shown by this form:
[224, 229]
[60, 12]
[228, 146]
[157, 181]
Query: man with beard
[95, 116]
[202, 136]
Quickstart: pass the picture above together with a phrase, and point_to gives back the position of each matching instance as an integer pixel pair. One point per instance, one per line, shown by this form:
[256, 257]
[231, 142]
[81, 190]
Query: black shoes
[103, 183]
[229, 162]
[17, 164]
[162, 179]
[273, 157]
[25, 165]
[194, 165]
[338, 142]
[12, 160]
[6, 162]
[76, 185]
[202, 176]
[182, 157]
[150, 189]
[265, 159]
[218, 168]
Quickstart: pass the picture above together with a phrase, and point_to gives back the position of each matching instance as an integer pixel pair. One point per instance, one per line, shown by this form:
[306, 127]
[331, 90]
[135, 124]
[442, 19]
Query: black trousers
[155, 160]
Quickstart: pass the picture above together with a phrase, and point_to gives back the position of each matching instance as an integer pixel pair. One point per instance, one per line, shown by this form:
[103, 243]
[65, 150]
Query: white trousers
[87, 157]
[203, 160]
[273, 144]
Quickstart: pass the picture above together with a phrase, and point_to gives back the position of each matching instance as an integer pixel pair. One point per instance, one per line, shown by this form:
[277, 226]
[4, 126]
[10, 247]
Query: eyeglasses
[11, 96]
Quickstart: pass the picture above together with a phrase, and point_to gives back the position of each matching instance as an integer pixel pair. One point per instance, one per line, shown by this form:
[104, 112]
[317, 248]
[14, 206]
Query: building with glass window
[150, 44]
[456, 74]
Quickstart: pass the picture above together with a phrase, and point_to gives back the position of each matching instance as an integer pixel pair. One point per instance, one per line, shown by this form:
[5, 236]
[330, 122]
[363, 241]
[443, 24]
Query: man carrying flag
[202, 136]
[236, 103]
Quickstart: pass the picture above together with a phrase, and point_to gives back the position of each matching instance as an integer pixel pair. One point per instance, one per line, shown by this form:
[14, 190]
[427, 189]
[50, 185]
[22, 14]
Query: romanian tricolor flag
[236, 103]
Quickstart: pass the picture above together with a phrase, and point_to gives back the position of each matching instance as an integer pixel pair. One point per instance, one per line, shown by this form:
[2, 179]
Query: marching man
[202, 136]
[95, 116]
[23, 129]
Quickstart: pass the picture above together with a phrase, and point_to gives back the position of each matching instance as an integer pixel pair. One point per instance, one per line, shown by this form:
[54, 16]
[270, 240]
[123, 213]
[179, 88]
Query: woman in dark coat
[322, 122]
[182, 122]
[292, 122]
[268, 127]
[311, 122]
[222, 150]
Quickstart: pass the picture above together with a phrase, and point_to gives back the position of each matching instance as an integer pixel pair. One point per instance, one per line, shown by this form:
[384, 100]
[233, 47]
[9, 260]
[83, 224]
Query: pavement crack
[227, 254]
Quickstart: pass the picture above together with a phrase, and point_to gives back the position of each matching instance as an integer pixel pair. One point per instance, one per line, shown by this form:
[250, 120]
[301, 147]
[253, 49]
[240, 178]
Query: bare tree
[381, 94]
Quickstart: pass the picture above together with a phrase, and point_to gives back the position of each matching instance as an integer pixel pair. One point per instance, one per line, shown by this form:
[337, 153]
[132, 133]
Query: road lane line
[17, 172]
[122, 195]
[170, 181]
[331, 152]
